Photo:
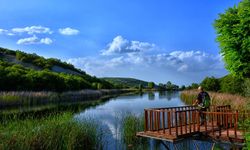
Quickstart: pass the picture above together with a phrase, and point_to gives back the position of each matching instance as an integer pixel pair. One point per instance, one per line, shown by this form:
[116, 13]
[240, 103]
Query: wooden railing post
[151, 120]
[169, 121]
[176, 124]
[212, 124]
[146, 120]
[235, 124]
[163, 121]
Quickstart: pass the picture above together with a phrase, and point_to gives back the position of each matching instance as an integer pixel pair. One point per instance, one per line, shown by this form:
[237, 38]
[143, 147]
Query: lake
[110, 114]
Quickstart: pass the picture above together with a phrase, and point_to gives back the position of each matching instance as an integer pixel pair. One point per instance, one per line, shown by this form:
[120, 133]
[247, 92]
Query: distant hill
[126, 82]
[23, 71]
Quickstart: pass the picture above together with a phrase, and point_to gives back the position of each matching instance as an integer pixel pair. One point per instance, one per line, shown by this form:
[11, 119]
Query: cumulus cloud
[68, 31]
[46, 41]
[119, 45]
[34, 40]
[33, 30]
[3, 31]
[130, 58]
[29, 40]
[179, 61]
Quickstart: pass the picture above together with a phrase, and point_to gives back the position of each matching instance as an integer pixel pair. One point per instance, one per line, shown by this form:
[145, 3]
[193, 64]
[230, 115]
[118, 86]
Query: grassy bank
[26, 98]
[53, 132]
[236, 101]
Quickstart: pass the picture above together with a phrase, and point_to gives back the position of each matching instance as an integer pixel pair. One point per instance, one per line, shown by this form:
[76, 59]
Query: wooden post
[176, 124]
[227, 124]
[163, 121]
[205, 119]
[146, 120]
[194, 118]
[198, 120]
[151, 120]
[169, 121]
[212, 123]
[185, 119]
[189, 121]
[180, 120]
[158, 120]
[235, 124]
[155, 120]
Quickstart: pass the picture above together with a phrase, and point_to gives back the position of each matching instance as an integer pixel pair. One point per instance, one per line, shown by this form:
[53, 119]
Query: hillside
[23, 71]
[126, 82]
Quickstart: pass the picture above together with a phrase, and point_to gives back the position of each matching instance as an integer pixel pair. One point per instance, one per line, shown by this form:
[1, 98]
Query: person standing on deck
[203, 103]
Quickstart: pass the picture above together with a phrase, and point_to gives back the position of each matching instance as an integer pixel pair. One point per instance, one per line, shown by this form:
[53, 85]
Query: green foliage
[126, 82]
[170, 86]
[53, 132]
[151, 85]
[211, 84]
[233, 35]
[17, 77]
[193, 86]
[231, 84]
[246, 87]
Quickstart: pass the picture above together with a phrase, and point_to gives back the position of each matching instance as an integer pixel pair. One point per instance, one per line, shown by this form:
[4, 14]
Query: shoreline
[12, 99]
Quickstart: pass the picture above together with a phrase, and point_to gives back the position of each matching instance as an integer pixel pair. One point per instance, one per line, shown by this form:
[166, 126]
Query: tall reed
[131, 124]
[236, 101]
[51, 133]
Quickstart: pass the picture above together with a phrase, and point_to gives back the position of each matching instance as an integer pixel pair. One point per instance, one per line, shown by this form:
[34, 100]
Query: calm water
[110, 113]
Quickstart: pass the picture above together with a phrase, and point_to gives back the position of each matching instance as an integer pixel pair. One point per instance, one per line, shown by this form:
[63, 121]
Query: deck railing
[179, 121]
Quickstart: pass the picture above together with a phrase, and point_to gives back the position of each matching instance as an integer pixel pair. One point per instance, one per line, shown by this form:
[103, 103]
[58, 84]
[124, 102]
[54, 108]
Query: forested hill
[23, 71]
[126, 82]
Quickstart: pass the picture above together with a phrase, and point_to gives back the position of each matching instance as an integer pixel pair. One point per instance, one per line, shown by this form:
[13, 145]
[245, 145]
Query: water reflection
[112, 112]
[151, 95]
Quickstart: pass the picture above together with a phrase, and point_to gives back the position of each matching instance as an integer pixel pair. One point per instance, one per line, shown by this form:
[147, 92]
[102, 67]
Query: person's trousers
[202, 115]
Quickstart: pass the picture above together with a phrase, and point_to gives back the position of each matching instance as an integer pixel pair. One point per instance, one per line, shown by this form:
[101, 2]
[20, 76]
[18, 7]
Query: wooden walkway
[175, 123]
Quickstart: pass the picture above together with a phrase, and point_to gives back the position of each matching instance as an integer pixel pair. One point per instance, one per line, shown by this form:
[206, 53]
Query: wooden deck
[175, 123]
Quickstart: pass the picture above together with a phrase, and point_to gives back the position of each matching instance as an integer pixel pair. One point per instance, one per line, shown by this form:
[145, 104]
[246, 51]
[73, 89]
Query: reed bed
[29, 98]
[236, 101]
[50, 133]
[131, 124]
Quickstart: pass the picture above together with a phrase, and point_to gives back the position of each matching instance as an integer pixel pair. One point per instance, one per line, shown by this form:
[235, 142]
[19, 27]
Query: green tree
[169, 85]
[211, 84]
[233, 35]
[151, 85]
[231, 84]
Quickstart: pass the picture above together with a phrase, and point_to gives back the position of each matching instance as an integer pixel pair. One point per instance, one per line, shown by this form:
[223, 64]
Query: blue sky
[151, 40]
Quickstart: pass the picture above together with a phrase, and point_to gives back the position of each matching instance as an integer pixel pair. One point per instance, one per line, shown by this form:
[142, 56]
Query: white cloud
[181, 67]
[181, 61]
[3, 31]
[34, 40]
[68, 31]
[119, 45]
[32, 30]
[29, 40]
[46, 41]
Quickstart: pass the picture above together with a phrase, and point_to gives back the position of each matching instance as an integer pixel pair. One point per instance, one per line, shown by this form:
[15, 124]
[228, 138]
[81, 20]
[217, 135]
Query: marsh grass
[50, 133]
[131, 124]
[237, 102]
[29, 98]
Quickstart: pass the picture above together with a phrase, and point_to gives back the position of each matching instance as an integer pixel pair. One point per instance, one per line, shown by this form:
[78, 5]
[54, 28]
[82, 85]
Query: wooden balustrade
[185, 120]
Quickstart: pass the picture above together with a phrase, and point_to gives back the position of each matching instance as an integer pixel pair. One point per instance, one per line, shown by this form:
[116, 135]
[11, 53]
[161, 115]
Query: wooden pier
[175, 123]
